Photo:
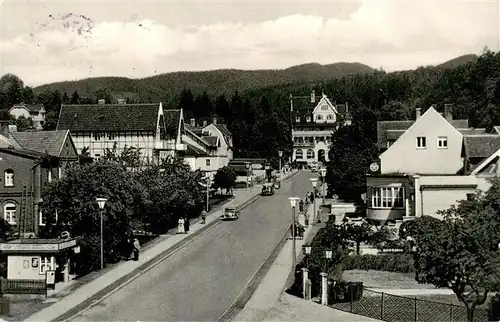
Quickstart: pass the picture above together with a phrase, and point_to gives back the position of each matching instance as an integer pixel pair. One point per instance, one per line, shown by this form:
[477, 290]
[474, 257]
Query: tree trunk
[470, 313]
[358, 248]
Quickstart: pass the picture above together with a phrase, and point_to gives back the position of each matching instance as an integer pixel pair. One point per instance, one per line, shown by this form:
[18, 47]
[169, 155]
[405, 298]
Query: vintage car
[277, 184]
[268, 189]
[230, 213]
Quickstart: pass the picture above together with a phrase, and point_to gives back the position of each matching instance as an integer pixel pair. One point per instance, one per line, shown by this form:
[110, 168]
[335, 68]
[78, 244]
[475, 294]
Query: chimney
[448, 112]
[313, 97]
[419, 113]
[214, 120]
[122, 101]
[101, 102]
[204, 123]
[192, 122]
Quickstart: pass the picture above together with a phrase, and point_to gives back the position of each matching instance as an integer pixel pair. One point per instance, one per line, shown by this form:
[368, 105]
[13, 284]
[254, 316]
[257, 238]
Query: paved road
[203, 279]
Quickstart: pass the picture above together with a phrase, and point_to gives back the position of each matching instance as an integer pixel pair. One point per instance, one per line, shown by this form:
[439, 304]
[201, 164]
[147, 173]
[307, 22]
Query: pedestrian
[301, 205]
[137, 247]
[180, 226]
[128, 249]
[186, 225]
[203, 216]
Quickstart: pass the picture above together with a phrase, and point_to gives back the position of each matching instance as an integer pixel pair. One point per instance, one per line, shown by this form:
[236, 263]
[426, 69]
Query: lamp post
[293, 204]
[306, 250]
[324, 278]
[101, 202]
[208, 194]
[314, 182]
[268, 172]
[247, 167]
[280, 154]
[322, 172]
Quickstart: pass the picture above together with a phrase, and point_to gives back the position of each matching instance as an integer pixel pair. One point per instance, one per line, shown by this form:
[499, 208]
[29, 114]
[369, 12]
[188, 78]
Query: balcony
[169, 146]
[304, 144]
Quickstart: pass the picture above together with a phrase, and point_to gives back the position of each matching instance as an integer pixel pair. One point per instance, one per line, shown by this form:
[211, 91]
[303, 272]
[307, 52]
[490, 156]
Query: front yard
[385, 280]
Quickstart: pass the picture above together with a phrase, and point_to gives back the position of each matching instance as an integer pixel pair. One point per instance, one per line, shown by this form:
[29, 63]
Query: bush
[345, 291]
[494, 308]
[399, 263]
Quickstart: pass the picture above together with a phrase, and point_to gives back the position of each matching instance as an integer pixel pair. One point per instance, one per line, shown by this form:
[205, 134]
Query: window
[47, 263]
[299, 154]
[329, 117]
[207, 162]
[308, 119]
[97, 156]
[324, 107]
[310, 154]
[9, 213]
[319, 117]
[49, 176]
[60, 172]
[421, 144]
[97, 136]
[42, 219]
[442, 142]
[387, 197]
[9, 178]
[297, 119]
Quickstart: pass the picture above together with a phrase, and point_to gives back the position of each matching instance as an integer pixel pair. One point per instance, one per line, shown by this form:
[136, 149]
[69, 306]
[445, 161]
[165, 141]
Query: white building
[149, 127]
[314, 119]
[35, 112]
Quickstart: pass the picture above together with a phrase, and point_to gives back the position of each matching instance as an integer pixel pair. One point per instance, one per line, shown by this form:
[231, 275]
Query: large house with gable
[313, 120]
[427, 165]
[156, 131]
[35, 112]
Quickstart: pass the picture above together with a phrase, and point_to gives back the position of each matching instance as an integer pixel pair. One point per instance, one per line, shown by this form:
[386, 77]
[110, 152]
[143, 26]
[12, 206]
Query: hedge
[399, 263]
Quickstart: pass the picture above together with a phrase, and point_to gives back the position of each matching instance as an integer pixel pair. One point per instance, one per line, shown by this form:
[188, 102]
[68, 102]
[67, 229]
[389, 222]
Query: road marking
[244, 289]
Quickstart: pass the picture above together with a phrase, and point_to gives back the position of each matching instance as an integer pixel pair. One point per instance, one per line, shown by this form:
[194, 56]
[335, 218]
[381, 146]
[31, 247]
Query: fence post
[451, 312]
[416, 302]
[382, 307]
[352, 299]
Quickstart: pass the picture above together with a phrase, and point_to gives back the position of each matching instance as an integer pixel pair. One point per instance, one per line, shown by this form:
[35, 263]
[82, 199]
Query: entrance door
[321, 156]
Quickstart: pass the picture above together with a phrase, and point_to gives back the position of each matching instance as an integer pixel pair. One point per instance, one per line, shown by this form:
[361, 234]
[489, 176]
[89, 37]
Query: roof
[29, 107]
[172, 119]
[192, 150]
[211, 140]
[112, 117]
[481, 146]
[472, 131]
[397, 128]
[24, 153]
[49, 142]
[223, 128]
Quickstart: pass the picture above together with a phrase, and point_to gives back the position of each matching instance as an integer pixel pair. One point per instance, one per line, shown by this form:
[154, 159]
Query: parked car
[230, 213]
[268, 189]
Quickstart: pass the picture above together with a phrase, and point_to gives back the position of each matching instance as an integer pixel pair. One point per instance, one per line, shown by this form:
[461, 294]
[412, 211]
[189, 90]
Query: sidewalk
[125, 271]
[270, 303]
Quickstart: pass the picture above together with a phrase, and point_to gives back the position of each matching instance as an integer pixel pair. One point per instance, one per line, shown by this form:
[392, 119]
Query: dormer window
[319, 117]
[308, 119]
[329, 117]
[9, 178]
[297, 119]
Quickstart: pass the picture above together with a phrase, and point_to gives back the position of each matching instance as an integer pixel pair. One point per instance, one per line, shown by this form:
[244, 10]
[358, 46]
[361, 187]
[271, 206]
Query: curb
[124, 280]
[254, 282]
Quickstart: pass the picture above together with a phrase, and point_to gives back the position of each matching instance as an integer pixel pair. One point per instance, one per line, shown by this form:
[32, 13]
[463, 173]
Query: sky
[44, 41]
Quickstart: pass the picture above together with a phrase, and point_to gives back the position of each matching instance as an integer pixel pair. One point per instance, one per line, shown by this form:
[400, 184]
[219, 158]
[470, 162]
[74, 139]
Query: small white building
[35, 112]
[313, 122]
[156, 131]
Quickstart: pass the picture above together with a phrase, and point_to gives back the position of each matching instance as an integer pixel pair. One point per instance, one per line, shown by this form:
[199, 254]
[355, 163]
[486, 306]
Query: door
[321, 155]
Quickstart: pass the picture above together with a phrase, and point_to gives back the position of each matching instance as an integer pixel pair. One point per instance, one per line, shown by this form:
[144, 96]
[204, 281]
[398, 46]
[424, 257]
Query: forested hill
[223, 81]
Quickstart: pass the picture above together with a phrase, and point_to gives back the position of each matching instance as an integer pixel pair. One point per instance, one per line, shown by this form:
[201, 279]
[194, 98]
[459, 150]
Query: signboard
[35, 262]
[28, 247]
[69, 243]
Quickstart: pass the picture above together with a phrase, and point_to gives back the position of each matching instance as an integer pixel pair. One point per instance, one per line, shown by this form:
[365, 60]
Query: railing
[24, 287]
[388, 307]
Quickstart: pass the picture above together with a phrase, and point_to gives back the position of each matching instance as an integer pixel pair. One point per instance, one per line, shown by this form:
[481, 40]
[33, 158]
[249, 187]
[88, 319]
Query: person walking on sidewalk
[180, 226]
[203, 216]
[186, 225]
[137, 247]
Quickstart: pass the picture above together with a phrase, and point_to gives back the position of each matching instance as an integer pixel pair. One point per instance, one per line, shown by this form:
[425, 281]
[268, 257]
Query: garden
[460, 253]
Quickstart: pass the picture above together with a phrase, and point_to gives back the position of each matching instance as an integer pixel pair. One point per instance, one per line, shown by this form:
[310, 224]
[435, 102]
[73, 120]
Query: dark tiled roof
[397, 128]
[211, 140]
[24, 153]
[30, 107]
[49, 142]
[472, 131]
[481, 146]
[110, 117]
[223, 128]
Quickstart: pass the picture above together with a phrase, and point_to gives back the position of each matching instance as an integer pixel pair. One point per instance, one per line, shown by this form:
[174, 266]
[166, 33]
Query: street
[203, 279]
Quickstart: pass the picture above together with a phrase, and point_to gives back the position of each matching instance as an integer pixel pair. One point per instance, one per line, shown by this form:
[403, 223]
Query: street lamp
[306, 249]
[293, 204]
[322, 173]
[247, 167]
[280, 154]
[101, 202]
[324, 278]
[314, 182]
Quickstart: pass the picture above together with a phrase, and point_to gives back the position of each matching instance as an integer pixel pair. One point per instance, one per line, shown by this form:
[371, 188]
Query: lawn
[383, 279]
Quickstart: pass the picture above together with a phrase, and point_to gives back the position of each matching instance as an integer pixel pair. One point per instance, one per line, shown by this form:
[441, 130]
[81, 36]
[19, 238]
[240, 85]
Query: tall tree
[75, 98]
[186, 102]
[65, 99]
[222, 108]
